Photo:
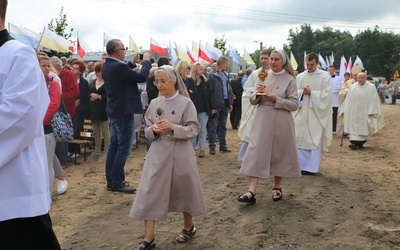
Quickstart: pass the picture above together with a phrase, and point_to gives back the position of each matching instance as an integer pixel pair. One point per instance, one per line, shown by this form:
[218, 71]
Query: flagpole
[129, 43]
[198, 52]
[40, 40]
[77, 41]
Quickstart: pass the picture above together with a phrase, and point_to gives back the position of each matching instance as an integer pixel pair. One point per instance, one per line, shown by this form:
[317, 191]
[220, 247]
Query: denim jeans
[201, 137]
[217, 127]
[121, 138]
[62, 152]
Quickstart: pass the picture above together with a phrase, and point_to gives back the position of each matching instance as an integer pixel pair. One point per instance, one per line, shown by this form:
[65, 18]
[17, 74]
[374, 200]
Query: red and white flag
[157, 48]
[203, 54]
[82, 47]
[359, 63]
[349, 66]
[343, 67]
[191, 54]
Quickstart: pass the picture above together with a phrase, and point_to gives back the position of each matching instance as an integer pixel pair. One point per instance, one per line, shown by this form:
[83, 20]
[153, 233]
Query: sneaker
[62, 186]
[212, 151]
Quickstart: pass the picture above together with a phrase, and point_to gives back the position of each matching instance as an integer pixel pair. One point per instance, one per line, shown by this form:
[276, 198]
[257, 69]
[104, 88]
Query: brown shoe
[202, 154]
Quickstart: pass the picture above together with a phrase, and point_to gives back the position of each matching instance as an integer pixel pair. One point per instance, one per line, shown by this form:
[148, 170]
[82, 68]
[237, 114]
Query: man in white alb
[313, 119]
[362, 112]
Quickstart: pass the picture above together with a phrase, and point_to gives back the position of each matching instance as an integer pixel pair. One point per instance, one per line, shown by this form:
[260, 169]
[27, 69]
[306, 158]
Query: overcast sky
[184, 21]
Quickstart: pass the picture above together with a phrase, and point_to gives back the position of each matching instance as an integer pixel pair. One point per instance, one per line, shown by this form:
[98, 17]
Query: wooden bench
[80, 142]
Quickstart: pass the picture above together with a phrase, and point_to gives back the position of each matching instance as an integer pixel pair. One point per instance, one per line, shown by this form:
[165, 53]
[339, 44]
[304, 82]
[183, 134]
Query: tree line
[379, 50]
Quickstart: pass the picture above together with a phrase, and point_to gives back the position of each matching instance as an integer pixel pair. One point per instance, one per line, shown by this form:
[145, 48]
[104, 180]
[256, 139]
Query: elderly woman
[170, 180]
[272, 147]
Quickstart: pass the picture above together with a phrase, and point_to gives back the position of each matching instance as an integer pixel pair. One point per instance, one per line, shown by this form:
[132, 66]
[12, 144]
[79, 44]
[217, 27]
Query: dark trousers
[394, 96]
[77, 122]
[334, 118]
[28, 233]
[217, 128]
[236, 114]
[358, 143]
[62, 152]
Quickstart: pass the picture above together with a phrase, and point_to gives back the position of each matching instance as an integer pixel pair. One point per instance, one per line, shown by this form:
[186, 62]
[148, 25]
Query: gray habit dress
[272, 146]
[170, 179]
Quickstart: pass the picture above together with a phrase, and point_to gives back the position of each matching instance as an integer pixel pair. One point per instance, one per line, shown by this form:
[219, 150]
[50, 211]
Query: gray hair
[56, 62]
[112, 46]
[222, 59]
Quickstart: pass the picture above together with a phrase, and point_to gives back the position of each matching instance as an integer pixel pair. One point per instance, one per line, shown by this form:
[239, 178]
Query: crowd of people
[285, 121]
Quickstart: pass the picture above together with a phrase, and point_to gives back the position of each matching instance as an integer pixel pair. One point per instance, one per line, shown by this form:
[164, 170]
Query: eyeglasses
[75, 68]
[121, 49]
[162, 81]
[188, 68]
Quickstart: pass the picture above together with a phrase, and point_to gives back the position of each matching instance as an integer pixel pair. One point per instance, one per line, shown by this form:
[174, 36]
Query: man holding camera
[123, 101]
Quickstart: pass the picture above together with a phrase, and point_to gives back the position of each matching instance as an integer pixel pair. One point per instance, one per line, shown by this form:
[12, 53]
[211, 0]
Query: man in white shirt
[336, 86]
[24, 182]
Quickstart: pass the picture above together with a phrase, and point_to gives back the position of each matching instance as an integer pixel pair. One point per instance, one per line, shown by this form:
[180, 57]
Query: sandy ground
[353, 203]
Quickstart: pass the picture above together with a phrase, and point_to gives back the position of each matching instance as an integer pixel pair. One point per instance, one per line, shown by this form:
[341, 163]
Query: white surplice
[24, 181]
[362, 112]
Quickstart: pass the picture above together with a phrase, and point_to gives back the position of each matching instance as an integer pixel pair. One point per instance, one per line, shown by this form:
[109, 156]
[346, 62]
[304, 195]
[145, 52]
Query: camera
[140, 56]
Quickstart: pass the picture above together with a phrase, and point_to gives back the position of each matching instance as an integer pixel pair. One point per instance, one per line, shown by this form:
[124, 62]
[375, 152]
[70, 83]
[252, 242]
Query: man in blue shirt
[248, 73]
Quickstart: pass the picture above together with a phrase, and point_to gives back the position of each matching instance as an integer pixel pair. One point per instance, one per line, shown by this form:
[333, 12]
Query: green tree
[256, 55]
[221, 44]
[59, 27]
[300, 41]
[379, 51]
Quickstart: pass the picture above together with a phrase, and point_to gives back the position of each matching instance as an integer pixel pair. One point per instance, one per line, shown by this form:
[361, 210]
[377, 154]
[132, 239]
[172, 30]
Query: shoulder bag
[62, 123]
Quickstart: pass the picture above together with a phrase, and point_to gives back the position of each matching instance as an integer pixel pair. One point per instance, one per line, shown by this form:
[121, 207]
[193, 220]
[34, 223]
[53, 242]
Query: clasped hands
[307, 90]
[269, 96]
[163, 126]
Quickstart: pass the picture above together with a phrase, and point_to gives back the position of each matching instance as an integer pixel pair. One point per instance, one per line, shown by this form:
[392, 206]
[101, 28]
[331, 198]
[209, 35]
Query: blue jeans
[201, 137]
[121, 139]
[62, 152]
[218, 123]
[394, 96]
